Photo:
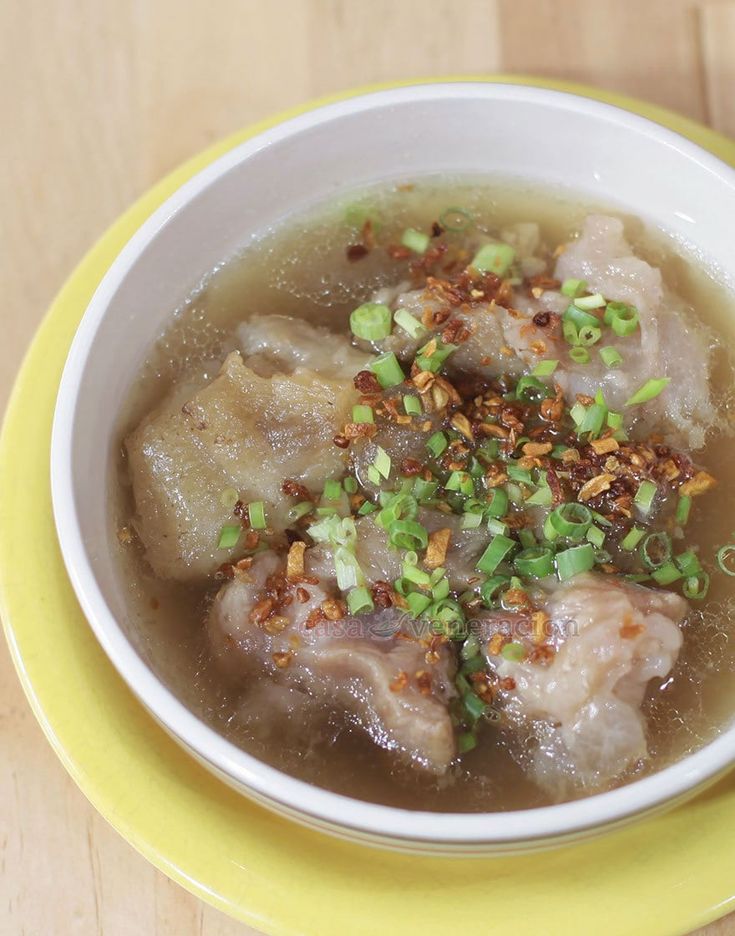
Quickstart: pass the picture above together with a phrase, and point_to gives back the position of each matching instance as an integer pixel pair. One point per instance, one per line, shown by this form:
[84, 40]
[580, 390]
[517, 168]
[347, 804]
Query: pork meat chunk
[584, 707]
[281, 344]
[242, 432]
[357, 665]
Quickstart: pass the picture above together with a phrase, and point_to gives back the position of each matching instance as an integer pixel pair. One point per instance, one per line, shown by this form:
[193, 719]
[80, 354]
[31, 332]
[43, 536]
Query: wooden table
[98, 100]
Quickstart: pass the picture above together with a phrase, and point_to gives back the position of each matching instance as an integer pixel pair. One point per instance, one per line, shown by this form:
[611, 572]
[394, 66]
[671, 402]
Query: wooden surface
[98, 99]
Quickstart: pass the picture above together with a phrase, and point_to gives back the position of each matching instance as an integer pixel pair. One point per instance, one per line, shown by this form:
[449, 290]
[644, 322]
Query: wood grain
[98, 99]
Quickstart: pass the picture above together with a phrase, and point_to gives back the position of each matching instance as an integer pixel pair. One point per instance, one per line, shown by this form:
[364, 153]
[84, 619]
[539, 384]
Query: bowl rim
[279, 790]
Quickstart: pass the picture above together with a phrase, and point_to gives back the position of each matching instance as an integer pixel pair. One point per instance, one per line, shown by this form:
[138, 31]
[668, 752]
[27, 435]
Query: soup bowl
[518, 133]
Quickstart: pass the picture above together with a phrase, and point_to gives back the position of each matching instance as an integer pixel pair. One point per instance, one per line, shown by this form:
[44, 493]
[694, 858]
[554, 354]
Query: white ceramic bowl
[537, 135]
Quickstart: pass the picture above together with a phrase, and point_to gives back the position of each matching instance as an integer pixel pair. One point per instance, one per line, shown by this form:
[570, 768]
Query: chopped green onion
[683, 507]
[644, 496]
[474, 706]
[571, 520]
[622, 318]
[497, 505]
[688, 563]
[229, 535]
[544, 368]
[373, 475]
[256, 515]
[522, 475]
[433, 362]
[466, 741]
[460, 481]
[726, 556]
[541, 498]
[595, 536]
[571, 335]
[332, 490]
[496, 526]
[491, 589]
[499, 547]
[578, 317]
[423, 490]
[515, 494]
[228, 498]
[611, 357]
[300, 510]
[615, 420]
[398, 507]
[359, 600]
[649, 390]
[455, 219]
[655, 550]
[696, 586]
[362, 414]
[579, 355]
[387, 369]
[417, 603]
[408, 534]
[514, 652]
[595, 301]
[570, 562]
[589, 335]
[409, 323]
[526, 538]
[535, 562]
[366, 508]
[382, 462]
[666, 574]
[530, 388]
[632, 538]
[573, 288]
[471, 521]
[470, 648]
[437, 443]
[494, 258]
[371, 321]
[441, 589]
[412, 405]
[417, 576]
[415, 240]
[350, 485]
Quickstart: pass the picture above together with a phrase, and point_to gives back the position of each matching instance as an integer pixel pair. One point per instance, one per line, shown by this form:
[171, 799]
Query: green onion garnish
[300, 510]
[229, 535]
[571, 335]
[437, 443]
[387, 369]
[423, 490]
[589, 335]
[359, 600]
[474, 706]
[371, 321]
[373, 475]
[579, 355]
[362, 414]
[228, 498]
[382, 462]
[471, 521]
[579, 317]
[595, 536]
[455, 219]
[649, 390]
[409, 323]
[366, 508]
[433, 362]
[644, 496]
[417, 603]
[415, 240]
[460, 481]
[332, 490]
[491, 590]
[408, 534]
[494, 258]
[541, 498]
[514, 652]
[688, 563]
[683, 507]
[570, 562]
[666, 574]
[497, 505]
[535, 562]
[573, 288]
[499, 547]
[412, 405]
[655, 550]
[632, 538]
[571, 520]
[521, 475]
[544, 368]
[350, 485]
[611, 357]
[530, 389]
[595, 301]
[256, 515]
[696, 586]
[622, 318]
[726, 556]
[466, 741]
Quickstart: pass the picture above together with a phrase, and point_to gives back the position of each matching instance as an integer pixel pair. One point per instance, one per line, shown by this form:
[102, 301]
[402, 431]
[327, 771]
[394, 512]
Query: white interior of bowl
[540, 136]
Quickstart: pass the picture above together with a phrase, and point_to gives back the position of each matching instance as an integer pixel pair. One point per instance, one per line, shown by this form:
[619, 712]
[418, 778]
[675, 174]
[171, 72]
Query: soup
[423, 498]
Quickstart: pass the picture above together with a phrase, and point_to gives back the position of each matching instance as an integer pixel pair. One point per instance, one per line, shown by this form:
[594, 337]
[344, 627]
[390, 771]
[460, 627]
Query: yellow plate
[663, 875]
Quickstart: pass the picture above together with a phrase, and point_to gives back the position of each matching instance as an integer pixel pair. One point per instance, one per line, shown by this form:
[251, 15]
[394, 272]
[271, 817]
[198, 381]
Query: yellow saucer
[663, 875]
